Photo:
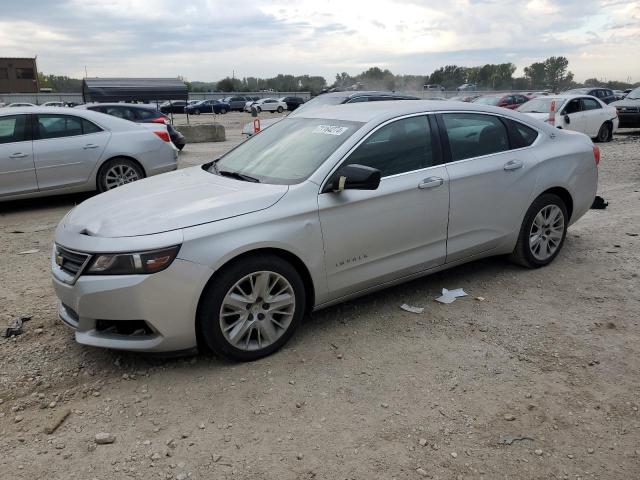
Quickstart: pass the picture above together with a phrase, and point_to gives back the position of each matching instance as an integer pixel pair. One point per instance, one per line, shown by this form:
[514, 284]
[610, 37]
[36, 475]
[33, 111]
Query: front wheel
[117, 172]
[280, 109]
[543, 231]
[605, 134]
[251, 308]
[258, 109]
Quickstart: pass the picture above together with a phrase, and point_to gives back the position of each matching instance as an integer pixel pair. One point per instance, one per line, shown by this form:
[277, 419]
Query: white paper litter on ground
[449, 296]
[411, 309]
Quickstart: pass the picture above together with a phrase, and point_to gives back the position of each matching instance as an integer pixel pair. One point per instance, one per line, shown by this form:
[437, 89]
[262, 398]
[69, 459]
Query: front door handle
[430, 182]
[90, 145]
[513, 165]
[19, 155]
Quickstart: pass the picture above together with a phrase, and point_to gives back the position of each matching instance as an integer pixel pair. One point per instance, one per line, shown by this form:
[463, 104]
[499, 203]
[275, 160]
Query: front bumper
[97, 306]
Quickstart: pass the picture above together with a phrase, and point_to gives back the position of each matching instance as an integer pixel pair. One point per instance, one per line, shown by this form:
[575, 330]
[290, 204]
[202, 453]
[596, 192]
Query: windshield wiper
[237, 175]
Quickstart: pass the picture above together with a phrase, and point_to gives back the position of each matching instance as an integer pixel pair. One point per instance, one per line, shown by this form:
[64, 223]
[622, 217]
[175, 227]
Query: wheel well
[119, 156]
[565, 196]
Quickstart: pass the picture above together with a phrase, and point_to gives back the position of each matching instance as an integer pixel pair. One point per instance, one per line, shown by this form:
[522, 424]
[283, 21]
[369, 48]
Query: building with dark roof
[18, 75]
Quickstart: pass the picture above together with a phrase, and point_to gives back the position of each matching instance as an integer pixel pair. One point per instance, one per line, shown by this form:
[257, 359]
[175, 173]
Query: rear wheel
[252, 307]
[117, 172]
[543, 231]
[605, 134]
[223, 111]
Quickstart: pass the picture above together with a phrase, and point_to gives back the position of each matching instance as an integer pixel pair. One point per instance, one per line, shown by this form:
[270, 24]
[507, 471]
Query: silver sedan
[48, 151]
[314, 210]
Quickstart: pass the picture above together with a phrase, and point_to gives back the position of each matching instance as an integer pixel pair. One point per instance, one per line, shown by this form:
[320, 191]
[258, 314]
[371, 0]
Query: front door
[66, 149]
[577, 121]
[371, 237]
[17, 171]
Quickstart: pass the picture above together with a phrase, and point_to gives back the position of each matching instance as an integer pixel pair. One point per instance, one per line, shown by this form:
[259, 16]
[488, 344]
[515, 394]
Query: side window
[13, 128]
[121, 112]
[473, 135]
[401, 146]
[590, 104]
[145, 114]
[572, 107]
[525, 135]
[89, 127]
[56, 126]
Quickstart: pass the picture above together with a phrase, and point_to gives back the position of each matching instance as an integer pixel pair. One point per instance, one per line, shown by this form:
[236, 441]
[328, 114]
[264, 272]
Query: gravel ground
[364, 389]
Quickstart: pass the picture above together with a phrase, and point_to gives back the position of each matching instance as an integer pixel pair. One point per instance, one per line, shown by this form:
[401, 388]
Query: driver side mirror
[567, 120]
[354, 177]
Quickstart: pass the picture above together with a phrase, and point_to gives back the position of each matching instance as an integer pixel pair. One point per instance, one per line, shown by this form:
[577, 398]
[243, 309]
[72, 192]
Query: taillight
[596, 154]
[162, 120]
[552, 113]
[164, 136]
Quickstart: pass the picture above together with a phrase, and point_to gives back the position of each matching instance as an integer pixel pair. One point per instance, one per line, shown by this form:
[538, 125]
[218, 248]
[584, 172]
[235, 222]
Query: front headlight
[151, 261]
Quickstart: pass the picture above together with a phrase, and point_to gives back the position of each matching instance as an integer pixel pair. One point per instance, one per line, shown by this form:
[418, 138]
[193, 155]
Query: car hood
[171, 201]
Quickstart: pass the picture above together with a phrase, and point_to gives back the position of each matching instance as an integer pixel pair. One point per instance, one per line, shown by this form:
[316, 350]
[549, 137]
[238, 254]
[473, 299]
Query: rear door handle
[430, 182]
[513, 165]
[90, 145]
[19, 155]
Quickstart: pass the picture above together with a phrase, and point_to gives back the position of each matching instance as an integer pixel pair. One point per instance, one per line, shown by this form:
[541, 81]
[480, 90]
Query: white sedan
[580, 113]
[48, 151]
[270, 105]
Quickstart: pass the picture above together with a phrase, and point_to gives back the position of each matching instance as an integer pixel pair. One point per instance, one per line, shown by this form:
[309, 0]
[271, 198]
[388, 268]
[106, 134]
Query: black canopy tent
[133, 90]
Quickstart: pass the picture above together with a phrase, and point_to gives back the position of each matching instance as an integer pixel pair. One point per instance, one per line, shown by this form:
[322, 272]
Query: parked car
[269, 105]
[49, 151]
[174, 106]
[629, 109]
[236, 102]
[319, 208]
[580, 113]
[292, 102]
[20, 104]
[604, 94]
[53, 104]
[139, 113]
[208, 106]
[466, 87]
[333, 98]
[433, 87]
[510, 101]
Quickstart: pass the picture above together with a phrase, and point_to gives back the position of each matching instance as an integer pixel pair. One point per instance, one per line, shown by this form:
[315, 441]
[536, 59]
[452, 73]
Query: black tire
[523, 254]
[280, 109]
[258, 109]
[102, 184]
[223, 111]
[213, 296]
[605, 134]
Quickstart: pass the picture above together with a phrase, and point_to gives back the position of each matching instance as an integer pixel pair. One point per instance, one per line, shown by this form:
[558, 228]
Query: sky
[208, 40]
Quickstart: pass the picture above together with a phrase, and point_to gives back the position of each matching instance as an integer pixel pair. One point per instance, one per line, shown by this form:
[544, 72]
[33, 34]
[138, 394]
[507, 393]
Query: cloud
[207, 39]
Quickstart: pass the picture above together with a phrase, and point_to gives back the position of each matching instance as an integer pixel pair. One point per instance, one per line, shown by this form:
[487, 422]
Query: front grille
[70, 261]
[628, 109]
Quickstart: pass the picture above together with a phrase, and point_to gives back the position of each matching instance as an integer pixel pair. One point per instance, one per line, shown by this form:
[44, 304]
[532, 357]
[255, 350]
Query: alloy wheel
[119, 175]
[257, 310]
[546, 232]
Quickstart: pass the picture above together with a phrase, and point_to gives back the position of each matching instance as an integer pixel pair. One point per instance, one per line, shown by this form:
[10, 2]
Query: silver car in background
[318, 208]
[49, 150]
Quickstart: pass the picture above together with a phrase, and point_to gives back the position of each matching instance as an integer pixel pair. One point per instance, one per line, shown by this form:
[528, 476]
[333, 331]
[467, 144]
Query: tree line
[550, 74]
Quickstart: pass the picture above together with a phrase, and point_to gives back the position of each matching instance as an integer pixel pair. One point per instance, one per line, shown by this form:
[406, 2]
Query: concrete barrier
[202, 133]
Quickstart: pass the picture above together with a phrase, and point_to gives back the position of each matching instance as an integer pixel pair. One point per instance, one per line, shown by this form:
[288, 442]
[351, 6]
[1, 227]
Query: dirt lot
[364, 390]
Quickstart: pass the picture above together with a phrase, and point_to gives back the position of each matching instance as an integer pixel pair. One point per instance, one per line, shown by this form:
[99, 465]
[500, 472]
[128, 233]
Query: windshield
[288, 151]
[487, 100]
[541, 105]
[634, 94]
[319, 101]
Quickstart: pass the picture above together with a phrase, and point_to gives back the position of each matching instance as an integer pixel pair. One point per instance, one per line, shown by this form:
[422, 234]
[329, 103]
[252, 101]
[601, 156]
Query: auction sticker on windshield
[330, 129]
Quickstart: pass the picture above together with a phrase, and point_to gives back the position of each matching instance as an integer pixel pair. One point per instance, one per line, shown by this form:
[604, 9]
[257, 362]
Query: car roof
[104, 120]
[381, 111]
[116, 104]
[364, 93]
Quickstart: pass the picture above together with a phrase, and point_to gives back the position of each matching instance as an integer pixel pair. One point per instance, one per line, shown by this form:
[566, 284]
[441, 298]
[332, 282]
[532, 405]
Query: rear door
[594, 115]
[66, 149]
[489, 183]
[17, 170]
